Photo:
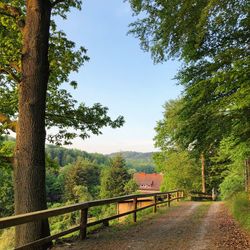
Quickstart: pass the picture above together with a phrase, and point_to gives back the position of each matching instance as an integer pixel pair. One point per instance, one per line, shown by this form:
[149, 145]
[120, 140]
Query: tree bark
[203, 176]
[29, 170]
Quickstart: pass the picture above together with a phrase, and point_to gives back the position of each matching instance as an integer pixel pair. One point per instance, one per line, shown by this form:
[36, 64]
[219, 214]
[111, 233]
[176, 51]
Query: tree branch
[4, 119]
[7, 14]
[53, 4]
[10, 73]
[10, 10]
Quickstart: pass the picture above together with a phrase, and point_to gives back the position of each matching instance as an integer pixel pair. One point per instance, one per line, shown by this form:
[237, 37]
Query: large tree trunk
[29, 171]
[203, 176]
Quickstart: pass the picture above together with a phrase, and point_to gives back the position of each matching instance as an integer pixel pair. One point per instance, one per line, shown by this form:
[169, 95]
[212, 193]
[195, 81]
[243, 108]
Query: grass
[7, 239]
[239, 206]
[201, 211]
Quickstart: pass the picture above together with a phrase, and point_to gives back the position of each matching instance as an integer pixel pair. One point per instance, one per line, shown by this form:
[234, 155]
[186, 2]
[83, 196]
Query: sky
[119, 75]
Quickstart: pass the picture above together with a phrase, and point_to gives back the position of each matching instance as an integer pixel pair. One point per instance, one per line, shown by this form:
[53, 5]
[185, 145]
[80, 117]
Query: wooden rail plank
[39, 215]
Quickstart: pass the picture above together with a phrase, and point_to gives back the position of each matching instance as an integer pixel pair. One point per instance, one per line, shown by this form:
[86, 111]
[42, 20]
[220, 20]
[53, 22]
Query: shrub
[240, 207]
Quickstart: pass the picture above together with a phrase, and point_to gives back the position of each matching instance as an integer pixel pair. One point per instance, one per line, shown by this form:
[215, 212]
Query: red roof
[148, 181]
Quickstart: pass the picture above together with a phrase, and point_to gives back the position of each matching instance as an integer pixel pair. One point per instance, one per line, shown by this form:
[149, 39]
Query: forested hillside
[141, 162]
[64, 156]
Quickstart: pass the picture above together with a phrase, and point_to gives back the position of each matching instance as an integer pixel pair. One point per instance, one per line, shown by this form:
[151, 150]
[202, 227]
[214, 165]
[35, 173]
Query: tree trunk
[29, 170]
[247, 177]
[203, 176]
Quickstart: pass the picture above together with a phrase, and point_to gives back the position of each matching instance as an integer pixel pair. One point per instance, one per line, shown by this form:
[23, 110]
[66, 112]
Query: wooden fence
[158, 198]
[198, 196]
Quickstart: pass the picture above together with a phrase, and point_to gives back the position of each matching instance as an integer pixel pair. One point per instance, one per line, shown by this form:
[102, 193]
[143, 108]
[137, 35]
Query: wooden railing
[158, 198]
[197, 196]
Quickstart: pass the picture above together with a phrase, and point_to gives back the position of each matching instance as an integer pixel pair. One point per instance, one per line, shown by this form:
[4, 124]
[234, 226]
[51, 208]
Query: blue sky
[119, 75]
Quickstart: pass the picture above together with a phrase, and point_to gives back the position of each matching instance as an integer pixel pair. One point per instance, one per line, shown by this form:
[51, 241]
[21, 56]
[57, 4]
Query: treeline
[136, 161]
[63, 156]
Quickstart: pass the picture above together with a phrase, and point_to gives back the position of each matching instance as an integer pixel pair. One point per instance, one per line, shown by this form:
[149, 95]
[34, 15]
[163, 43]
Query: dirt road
[191, 225]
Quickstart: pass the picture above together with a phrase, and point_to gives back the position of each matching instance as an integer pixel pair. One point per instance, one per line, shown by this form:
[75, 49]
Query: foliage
[7, 239]
[211, 37]
[130, 187]
[134, 156]
[81, 181]
[114, 179]
[190, 29]
[63, 222]
[6, 179]
[65, 57]
[54, 185]
[240, 208]
[64, 156]
[141, 162]
[233, 154]
[179, 169]
[233, 183]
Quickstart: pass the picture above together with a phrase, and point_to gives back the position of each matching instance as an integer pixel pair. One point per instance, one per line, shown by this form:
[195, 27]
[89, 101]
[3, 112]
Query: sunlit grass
[239, 206]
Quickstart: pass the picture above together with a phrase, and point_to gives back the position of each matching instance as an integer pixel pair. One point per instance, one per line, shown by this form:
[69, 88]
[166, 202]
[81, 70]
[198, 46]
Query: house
[148, 183]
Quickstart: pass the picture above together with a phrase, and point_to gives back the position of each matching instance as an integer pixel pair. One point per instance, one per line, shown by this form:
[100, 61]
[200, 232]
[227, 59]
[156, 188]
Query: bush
[239, 205]
[231, 185]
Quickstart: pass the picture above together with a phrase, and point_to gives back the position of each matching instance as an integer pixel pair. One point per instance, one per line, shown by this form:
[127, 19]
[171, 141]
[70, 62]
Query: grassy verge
[239, 206]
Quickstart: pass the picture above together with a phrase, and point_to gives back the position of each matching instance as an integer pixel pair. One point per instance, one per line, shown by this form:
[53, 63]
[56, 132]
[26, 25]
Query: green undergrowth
[7, 239]
[239, 206]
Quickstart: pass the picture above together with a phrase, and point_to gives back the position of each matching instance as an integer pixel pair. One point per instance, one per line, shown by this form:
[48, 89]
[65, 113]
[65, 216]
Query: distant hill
[137, 161]
[137, 156]
[64, 156]
[141, 162]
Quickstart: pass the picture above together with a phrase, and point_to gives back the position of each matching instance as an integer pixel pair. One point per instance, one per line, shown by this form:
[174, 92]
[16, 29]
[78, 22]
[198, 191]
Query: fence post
[169, 197]
[135, 207]
[155, 201]
[106, 223]
[83, 223]
[177, 195]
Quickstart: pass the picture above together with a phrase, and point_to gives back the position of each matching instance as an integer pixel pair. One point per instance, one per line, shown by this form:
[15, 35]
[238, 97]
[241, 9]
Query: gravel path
[191, 225]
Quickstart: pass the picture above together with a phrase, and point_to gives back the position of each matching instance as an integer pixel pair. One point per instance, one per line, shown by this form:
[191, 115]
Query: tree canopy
[62, 110]
[211, 38]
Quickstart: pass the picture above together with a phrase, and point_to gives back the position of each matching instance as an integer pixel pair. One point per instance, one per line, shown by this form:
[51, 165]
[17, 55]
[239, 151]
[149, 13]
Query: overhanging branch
[10, 73]
[5, 120]
[53, 4]
[10, 10]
